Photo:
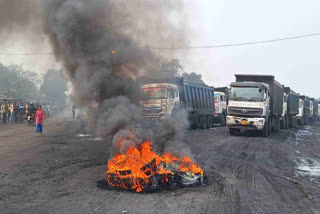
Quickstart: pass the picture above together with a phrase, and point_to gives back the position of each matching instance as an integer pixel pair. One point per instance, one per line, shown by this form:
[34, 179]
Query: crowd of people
[17, 112]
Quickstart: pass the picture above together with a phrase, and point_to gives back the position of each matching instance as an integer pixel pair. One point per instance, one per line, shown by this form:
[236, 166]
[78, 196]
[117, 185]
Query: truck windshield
[154, 93]
[246, 94]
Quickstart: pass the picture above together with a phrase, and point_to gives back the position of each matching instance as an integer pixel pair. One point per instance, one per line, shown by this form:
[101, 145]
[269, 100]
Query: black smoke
[105, 46]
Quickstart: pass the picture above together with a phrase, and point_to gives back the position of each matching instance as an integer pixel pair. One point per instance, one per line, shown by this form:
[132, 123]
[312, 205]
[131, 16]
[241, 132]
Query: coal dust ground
[63, 171]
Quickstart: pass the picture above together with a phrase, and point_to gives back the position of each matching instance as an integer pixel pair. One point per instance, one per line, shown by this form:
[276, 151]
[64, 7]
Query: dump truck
[290, 109]
[221, 97]
[313, 110]
[304, 110]
[255, 103]
[311, 100]
[162, 98]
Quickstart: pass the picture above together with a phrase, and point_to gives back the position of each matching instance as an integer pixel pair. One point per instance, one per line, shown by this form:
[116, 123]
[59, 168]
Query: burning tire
[140, 169]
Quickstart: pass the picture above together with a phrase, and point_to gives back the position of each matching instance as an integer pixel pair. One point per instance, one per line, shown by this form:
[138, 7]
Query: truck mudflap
[245, 123]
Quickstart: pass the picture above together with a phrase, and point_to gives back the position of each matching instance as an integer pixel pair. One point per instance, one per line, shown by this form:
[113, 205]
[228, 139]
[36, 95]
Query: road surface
[63, 172]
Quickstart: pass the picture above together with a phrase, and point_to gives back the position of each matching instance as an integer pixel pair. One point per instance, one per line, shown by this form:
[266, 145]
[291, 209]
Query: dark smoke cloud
[20, 15]
[84, 35]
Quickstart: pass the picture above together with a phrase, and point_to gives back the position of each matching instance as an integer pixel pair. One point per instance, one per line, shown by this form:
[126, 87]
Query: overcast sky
[294, 63]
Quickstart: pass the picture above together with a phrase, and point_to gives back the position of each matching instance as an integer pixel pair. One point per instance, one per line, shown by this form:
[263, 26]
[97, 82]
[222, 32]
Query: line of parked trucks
[252, 102]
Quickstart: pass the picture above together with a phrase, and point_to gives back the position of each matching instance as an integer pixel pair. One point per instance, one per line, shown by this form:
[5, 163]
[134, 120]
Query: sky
[294, 63]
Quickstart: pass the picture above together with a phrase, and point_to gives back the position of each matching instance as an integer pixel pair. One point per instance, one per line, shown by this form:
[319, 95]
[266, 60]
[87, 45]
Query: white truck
[221, 96]
[255, 103]
[304, 110]
[290, 108]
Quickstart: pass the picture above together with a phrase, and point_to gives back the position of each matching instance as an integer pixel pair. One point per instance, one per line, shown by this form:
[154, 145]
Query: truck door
[223, 104]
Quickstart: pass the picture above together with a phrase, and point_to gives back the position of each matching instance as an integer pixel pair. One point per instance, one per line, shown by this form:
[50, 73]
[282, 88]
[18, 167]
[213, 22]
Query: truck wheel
[265, 131]
[306, 120]
[282, 123]
[302, 122]
[287, 122]
[269, 126]
[198, 122]
[278, 124]
[232, 131]
[204, 122]
[223, 120]
[210, 122]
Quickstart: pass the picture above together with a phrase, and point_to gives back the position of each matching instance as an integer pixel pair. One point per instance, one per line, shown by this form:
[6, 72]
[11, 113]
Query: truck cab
[311, 112]
[158, 100]
[301, 107]
[220, 102]
[248, 105]
[284, 119]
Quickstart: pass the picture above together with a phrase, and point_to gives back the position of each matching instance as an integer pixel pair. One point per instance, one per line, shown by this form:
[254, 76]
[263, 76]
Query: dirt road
[63, 171]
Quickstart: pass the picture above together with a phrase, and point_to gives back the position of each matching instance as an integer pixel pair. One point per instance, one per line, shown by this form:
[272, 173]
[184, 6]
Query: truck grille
[239, 111]
[152, 110]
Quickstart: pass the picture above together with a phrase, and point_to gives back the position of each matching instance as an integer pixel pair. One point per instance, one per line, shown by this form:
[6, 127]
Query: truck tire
[306, 120]
[210, 122]
[269, 126]
[192, 119]
[287, 122]
[265, 131]
[204, 122]
[282, 123]
[223, 120]
[198, 122]
[278, 124]
[232, 131]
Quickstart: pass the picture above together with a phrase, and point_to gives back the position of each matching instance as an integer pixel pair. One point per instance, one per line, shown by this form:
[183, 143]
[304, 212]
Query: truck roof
[269, 79]
[249, 84]
[151, 85]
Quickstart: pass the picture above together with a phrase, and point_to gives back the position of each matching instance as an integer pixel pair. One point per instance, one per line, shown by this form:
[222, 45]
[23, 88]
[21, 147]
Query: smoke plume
[105, 48]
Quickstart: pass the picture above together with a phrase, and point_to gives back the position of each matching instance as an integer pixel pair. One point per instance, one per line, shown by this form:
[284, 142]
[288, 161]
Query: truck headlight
[260, 122]
[228, 119]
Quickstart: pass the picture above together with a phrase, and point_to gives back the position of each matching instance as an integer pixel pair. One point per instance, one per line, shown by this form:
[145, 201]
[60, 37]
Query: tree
[17, 83]
[193, 77]
[54, 87]
[174, 67]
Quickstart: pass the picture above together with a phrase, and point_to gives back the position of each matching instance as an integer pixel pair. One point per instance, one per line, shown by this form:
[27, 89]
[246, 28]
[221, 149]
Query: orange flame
[135, 169]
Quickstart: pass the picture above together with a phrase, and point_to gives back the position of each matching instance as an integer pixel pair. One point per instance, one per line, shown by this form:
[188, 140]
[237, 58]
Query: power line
[237, 44]
[190, 47]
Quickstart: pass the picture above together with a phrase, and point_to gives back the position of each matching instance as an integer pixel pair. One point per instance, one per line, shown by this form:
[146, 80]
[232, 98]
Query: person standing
[11, 113]
[4, 112]
[39, 120]
[8, 113]
[73, 110]
[32, 111]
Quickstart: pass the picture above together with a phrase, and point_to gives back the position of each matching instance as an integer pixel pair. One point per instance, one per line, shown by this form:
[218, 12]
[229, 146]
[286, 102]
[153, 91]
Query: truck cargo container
[304, 110]
[290, 109]
[221, 96]
[255, 103]
[168, 97]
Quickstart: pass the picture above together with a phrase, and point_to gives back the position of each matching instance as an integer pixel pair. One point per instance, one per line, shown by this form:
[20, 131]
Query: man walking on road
[4, 112]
